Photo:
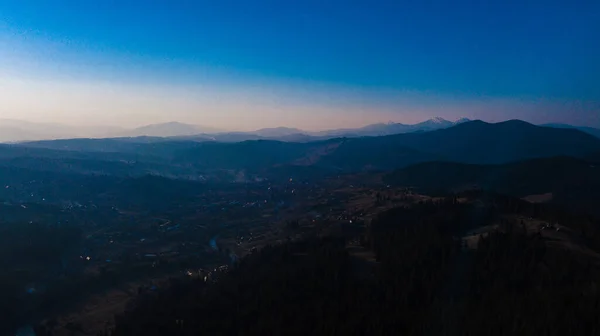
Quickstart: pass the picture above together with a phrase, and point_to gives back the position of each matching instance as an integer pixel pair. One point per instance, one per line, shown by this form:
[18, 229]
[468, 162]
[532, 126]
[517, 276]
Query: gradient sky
[312, 64]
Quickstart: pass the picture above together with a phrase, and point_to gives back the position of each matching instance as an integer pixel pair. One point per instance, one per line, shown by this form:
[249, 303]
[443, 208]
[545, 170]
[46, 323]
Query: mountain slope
[514, 140]
[566, 180]
[373, 153]
[170, 129]
[244, 155]
[393, 128]
[589, 130]
[471, 142]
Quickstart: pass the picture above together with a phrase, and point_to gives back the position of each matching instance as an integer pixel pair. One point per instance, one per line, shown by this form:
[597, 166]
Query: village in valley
[126, 247]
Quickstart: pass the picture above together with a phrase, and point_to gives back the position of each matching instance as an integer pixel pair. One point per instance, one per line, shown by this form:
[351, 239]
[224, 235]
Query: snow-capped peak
[438, 120]
[462, 120]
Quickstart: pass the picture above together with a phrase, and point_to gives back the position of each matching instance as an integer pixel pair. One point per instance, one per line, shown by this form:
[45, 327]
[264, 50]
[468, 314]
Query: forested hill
[431, 275]
[564, 180]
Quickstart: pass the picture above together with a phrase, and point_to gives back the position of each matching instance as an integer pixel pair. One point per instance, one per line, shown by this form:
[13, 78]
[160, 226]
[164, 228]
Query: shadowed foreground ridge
[569, 181]
[425, 280]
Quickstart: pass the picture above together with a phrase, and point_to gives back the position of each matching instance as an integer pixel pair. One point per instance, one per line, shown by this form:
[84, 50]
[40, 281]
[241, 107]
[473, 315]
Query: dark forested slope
[424, 281]
[569, 181]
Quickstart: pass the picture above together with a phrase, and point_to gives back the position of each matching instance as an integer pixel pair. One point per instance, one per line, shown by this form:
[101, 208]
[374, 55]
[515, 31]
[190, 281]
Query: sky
[311, 64]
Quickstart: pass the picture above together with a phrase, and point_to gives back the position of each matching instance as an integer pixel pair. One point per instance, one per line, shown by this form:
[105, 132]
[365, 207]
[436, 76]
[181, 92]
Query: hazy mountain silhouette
[19, 130]
[182, 131]
[169, 129]
[298, 135]
[392, 128]
[471, 142]
[277, 132]
[13, 134]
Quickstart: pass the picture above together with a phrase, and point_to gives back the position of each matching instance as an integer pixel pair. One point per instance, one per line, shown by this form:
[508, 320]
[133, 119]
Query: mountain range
[170, 129]
[474, 142]
[392, 128]
[511, 157]
[19, 131]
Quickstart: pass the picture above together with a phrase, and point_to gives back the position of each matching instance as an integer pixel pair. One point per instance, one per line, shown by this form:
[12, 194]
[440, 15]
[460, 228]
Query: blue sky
[313, 64]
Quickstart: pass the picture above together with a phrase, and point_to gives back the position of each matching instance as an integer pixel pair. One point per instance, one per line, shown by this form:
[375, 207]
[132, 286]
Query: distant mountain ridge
[469, 142]
[18, 131]
[474, 142]
[277, 132]
[170, 129]
[392, 128]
